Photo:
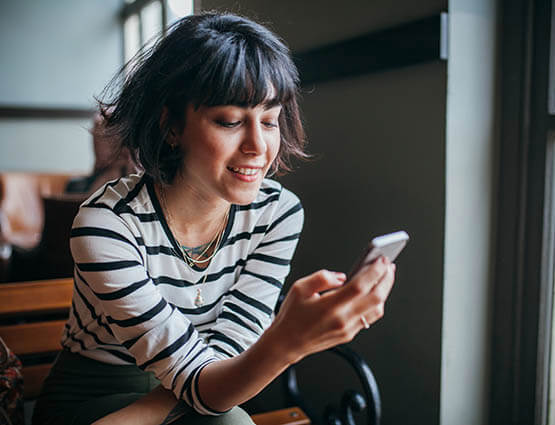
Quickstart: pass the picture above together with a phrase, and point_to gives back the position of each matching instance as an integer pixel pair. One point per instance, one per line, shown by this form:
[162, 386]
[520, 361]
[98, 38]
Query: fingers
[368, 308]
[364, 322]
[364, 281]
[375, 271]
[381, 291]
[372, 307]
[310, 321]
[317, 282]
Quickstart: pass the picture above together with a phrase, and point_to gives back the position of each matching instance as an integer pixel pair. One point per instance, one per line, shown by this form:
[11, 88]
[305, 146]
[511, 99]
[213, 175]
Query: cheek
[212, 151]
[274, 147]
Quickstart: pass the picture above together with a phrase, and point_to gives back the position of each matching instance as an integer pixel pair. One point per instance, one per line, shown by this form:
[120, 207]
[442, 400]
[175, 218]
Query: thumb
[320, 281]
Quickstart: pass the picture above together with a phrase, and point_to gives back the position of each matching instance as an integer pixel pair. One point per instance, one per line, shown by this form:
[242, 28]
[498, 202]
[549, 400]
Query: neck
[192, 218]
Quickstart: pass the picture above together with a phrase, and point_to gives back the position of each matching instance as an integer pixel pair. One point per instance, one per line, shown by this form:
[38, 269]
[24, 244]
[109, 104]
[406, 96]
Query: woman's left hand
[320, 311]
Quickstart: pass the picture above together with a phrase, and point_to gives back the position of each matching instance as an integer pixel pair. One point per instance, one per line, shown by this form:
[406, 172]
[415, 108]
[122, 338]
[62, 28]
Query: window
[549, 246]
[143, 20]
[523, 356]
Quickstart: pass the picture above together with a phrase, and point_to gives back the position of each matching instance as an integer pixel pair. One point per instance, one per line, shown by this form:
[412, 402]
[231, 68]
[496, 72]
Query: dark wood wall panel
[7, 111]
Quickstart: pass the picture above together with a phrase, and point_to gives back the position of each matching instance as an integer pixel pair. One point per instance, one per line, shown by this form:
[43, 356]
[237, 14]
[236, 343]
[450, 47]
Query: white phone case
[389, 245]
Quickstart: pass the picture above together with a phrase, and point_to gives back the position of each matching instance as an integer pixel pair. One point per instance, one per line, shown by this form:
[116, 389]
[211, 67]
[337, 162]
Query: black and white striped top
[133, 299]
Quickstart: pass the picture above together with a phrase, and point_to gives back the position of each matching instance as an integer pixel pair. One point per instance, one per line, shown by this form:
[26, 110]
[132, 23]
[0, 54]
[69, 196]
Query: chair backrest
[53, 254]
[32, 318]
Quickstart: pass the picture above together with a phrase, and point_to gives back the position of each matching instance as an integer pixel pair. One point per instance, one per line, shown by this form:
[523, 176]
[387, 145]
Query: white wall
[470, 203]
[57, 52]
[54, 54]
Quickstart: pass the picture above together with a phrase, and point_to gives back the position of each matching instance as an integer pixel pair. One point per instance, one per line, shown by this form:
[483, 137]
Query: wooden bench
[35, 342]
[32, 318]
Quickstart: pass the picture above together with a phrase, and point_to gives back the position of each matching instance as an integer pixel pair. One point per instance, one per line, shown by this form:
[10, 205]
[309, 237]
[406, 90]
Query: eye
[270, 124]
[228, 124]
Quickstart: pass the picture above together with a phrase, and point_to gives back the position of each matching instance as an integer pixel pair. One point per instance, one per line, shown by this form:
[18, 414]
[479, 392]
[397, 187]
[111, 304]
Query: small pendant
[199, 301]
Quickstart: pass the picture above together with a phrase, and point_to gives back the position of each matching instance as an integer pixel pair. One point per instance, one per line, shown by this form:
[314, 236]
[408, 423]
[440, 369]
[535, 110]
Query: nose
[253, 140]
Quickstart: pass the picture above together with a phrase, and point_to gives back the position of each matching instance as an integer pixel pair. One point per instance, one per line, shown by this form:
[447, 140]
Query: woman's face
[228, 150]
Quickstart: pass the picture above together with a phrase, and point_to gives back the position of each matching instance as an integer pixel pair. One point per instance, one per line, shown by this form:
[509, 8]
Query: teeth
[245, 171]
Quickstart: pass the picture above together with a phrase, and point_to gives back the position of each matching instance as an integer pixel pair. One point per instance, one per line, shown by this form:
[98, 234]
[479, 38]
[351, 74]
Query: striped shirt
[133, 298]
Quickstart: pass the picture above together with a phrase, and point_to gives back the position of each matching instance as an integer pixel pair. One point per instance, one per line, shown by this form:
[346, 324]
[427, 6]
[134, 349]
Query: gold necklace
[199, 300]
[215, 242]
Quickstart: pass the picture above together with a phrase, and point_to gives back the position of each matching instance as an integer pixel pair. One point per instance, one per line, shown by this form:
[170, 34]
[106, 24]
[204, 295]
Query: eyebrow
[271, 103]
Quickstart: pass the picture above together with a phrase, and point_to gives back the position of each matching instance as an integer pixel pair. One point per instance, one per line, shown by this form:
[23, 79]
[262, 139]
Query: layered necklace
[202, 258]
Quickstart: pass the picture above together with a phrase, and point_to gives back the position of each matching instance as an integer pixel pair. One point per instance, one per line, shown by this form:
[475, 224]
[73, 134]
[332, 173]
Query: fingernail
[341, 276]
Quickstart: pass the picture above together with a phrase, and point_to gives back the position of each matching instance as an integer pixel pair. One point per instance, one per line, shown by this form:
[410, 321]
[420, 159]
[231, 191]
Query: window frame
[135, 8]
[523, 291]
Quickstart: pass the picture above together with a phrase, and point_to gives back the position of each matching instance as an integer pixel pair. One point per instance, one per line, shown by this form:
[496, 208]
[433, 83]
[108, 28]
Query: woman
[178, 269]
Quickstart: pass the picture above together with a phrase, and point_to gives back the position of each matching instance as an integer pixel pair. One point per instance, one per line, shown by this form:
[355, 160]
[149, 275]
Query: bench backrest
[32, 318]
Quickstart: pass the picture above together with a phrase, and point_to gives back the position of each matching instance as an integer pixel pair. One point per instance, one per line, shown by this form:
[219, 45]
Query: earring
[171, 139]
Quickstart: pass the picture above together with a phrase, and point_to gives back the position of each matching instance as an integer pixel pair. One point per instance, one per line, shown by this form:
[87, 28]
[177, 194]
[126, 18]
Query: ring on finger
[365, 323]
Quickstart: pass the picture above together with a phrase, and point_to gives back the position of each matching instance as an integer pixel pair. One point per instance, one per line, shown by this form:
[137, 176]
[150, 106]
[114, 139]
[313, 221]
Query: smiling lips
[246, 174]
[245, 171]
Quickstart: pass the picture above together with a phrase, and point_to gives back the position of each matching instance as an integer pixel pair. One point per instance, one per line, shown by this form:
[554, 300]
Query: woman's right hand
[320, 312]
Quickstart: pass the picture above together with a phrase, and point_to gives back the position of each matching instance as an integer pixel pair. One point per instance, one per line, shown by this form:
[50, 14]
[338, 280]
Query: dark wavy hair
[207, 59]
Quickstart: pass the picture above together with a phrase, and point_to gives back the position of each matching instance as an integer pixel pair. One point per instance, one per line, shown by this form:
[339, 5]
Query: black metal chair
[351, 401]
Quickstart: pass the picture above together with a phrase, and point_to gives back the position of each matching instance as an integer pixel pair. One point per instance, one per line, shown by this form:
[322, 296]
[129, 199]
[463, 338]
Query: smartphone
[389, 245]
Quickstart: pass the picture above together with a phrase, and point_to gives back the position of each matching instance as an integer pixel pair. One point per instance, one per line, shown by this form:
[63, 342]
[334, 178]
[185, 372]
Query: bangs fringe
[244, 76]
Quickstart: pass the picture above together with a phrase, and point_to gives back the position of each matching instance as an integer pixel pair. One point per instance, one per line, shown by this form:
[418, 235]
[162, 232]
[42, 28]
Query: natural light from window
[181, 7]
[144, 21]
[152, 23]
[131, 36]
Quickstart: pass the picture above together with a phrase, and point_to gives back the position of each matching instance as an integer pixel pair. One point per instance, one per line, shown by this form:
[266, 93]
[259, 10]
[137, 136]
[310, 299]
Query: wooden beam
[44, 112]
[416, 42]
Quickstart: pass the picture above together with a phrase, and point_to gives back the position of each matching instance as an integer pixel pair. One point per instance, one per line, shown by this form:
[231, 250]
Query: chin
[244, 200]
[243, 197]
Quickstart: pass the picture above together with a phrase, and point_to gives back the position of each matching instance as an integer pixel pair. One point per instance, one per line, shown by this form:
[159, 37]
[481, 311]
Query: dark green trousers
[79, 390]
